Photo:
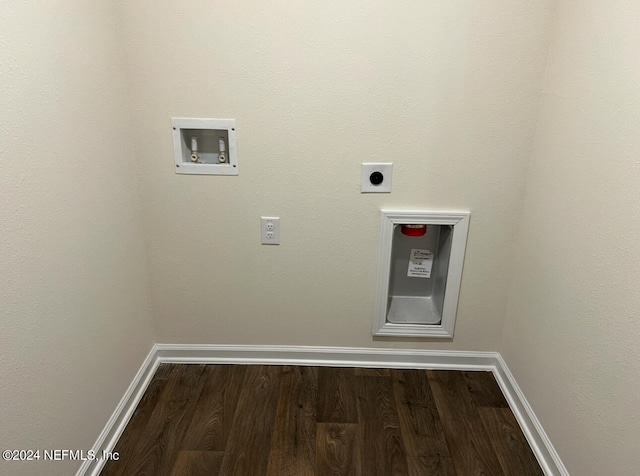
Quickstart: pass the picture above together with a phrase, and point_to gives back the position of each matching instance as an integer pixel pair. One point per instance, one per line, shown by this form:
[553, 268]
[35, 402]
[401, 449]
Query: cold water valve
[222, 158]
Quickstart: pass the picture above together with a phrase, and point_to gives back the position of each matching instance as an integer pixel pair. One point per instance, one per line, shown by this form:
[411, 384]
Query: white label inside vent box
[420, 262]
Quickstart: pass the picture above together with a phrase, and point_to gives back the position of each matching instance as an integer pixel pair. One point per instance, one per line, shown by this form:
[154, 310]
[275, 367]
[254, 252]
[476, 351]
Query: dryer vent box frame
[419, 273]
[204, 146]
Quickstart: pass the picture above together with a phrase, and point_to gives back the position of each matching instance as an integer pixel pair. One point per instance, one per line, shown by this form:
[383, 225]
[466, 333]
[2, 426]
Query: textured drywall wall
[572, 328]
[74, 319]
[445, 90]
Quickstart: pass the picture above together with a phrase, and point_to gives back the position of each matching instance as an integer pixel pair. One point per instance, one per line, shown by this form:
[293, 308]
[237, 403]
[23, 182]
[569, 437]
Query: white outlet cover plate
[385, 169]
[270, 230]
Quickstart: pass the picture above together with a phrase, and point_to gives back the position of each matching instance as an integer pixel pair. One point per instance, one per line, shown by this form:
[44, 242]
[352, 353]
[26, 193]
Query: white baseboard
[122, 414]
[531, 427]
[325, 356]
[335, 357]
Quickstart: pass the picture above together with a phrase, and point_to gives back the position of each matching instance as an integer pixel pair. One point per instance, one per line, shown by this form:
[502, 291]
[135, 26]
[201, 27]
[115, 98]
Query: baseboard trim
[122, 414]
[531, 427]
[335, 357]
[325, 356]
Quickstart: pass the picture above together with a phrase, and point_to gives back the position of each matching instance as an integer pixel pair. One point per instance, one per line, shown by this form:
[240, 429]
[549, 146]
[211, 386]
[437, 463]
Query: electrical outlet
[376, 178]
[270, 230]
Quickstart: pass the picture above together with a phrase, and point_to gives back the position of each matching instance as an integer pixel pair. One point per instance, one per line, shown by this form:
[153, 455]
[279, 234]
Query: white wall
[572, 327]
[74, 319]
[445, 90]
[448, 91]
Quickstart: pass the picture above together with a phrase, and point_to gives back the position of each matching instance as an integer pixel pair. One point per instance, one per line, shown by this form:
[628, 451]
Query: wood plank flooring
[304, 421]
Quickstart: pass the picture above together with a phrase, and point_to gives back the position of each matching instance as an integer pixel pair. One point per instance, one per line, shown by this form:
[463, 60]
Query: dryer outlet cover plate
[370, 180]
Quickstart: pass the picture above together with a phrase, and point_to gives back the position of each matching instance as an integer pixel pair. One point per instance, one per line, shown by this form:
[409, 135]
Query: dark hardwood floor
[302, 421]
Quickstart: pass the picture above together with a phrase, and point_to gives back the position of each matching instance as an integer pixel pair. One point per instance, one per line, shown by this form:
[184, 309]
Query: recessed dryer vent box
[204, 146]
[419, 273]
